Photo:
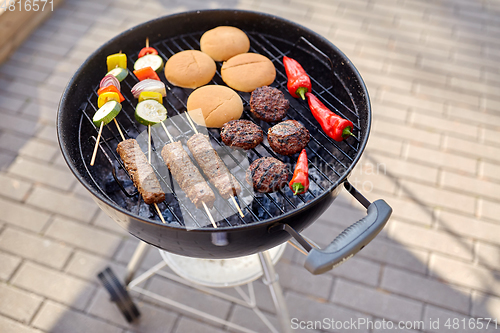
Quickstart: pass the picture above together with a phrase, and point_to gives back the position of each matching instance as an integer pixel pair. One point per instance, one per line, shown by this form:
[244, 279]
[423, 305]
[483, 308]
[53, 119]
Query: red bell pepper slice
[146, 73]
[111, 89]
[146, 51]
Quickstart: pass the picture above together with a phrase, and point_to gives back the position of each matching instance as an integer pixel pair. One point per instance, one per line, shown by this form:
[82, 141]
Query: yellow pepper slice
[116, 60]
[106, 97]
[151, 95]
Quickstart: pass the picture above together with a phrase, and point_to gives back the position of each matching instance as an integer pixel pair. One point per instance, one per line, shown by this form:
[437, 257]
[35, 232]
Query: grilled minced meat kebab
[141, 171]
[213, 166]
[241, 133]
[267, 174]
[187, 175]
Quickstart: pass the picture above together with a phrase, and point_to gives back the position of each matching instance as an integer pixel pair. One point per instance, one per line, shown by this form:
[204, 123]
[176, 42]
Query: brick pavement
[433, 73]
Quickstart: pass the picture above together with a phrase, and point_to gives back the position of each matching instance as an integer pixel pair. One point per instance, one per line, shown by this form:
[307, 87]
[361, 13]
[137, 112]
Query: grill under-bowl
[336, 83]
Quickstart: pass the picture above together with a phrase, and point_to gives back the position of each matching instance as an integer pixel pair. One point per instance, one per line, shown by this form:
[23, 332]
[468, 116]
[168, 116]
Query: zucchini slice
[106, 113]
[151, 60]
[119, 73]
[150, 112]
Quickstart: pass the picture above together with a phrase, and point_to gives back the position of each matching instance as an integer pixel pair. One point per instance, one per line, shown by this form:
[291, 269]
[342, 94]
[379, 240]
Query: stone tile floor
[433, 72]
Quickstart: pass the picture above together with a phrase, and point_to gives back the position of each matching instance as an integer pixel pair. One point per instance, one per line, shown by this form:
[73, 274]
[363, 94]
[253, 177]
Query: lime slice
[106, 113]
[151, 60]
[119, 73]
[150, 112]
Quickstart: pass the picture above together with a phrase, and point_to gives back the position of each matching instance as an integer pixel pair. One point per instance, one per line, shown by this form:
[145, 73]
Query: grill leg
[272, 280]
[136, 260]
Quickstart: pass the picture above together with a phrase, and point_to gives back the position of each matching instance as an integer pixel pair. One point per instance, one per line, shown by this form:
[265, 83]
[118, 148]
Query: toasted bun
[248, 71]
[224, 42]
[218, 104]
[189, 69]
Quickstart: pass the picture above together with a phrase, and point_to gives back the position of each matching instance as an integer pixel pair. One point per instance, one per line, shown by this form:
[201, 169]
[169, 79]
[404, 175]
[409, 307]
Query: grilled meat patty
[141, 171]
[187, 175]
[288, 137]
[212, 165]
[242, 134]
[267, 174]
[268, 104]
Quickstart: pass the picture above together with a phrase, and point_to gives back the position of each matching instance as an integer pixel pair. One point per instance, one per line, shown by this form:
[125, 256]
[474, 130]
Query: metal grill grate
[328, 160]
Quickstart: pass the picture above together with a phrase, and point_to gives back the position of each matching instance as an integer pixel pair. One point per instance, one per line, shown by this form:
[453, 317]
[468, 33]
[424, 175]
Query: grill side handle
[353, 238]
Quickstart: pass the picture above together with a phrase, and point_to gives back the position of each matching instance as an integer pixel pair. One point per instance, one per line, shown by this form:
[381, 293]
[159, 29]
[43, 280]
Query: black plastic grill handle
[351, 240]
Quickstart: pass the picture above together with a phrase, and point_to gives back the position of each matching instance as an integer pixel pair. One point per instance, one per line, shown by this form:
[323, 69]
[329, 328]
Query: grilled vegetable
[300, 179]
[119, 73]
[334, 126]
[109, 80]
[116, 60]
[299, 82]
[146, 51]
[151, 60]
[106, 113]
[146, 73]
[150, 112]
[151, 95]
[111, 89]
[106, 97]
[149, 85]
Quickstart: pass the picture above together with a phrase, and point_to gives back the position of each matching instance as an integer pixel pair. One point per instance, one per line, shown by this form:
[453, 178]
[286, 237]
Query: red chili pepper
[298, 81]
[300, 180]
[334, 126]
[111, 89]
[146, 73]
[146, 51]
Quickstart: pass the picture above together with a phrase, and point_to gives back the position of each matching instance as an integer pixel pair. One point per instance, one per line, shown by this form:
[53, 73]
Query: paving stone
[6, 159]
[485, 306]
[488, 255]
[10, 103]
[375, 302]
[437, 197]
[84, 236]
[442, 159]
[187, 325]
[299, 279]
[431, 239]
[45, 114]
[87, 266]
[448, 317]
[247, 318]
[188, 296]
[471, 185]
[13, 142]
[395, 254]
[47, 133]
[152, 319]
[468, 226]
[473, 149]
[60, 203]
[22, 216]
[40, 172]
[127, 249]
[8, 326]
[18, 304]
[39, 150]
[454, 271]
[13, 188]
[490, 210]
[18, 124]
[412, 134]
[53, 285]
[8, 264]
[304, 310]
[425, 289]
[56, 318]
[34, 247]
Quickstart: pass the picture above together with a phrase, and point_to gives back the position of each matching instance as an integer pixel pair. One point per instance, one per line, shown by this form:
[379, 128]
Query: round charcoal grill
[270, 219]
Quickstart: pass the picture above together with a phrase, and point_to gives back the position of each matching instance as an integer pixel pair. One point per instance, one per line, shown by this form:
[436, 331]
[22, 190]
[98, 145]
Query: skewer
[96, 144]
[232, 196]
[204, 205]
[149, 144]
[119, 129]
[147, 41]
[159, 213]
